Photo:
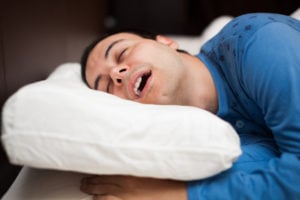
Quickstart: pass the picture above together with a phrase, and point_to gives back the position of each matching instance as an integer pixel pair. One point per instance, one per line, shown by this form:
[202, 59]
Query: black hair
[90, 47]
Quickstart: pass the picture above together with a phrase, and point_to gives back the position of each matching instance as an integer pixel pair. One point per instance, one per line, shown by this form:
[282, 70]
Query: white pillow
[61, 124]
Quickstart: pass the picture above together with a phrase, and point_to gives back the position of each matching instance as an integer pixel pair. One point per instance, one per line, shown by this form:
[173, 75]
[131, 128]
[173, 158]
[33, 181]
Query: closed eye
[108, 86]
[119, 59]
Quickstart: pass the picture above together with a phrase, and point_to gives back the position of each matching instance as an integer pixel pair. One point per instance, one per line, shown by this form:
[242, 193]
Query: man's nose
[118, 74]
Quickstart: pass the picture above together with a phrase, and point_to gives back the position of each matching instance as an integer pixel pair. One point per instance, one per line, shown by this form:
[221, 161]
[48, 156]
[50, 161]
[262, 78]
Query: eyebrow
[110, 47]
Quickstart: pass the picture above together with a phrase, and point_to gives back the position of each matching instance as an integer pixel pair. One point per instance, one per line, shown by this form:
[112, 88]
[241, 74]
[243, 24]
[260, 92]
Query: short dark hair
[90, 47]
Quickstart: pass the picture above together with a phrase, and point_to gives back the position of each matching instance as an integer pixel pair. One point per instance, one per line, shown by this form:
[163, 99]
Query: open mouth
[141, 83]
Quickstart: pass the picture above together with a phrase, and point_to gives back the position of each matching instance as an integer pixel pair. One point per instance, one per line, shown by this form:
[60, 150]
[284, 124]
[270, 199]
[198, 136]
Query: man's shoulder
[253, 21]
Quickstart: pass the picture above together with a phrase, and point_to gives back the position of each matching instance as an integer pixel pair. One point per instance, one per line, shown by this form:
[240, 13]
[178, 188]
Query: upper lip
[138, 82]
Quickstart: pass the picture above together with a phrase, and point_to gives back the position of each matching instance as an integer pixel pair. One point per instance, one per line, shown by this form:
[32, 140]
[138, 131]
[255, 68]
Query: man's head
[90, 47]
[143, 69]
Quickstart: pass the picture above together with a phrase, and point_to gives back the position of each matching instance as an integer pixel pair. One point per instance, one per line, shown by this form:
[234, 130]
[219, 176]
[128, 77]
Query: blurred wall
[39, 35]
[188, 17]
[163, 16]
[210, 9]
[35, 37]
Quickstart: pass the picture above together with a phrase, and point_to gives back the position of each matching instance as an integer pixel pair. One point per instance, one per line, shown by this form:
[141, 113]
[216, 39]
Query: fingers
[97, 186]
[106, 197]
[133, 188]
[104, 179]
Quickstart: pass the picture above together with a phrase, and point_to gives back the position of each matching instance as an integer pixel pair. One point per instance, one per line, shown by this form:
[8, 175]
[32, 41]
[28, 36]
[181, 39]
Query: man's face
[138, 69]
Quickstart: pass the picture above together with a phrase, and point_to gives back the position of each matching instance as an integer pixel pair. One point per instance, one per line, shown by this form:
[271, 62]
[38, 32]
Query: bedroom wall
[35, 37]
[39, 35]
[188, 17]
[214, 8]
[2, 80]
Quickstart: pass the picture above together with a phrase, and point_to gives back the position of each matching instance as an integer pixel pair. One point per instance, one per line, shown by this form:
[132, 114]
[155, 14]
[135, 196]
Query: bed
[58, 182]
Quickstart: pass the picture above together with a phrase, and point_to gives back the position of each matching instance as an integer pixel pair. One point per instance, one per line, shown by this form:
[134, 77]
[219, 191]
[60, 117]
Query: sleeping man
[248, 75]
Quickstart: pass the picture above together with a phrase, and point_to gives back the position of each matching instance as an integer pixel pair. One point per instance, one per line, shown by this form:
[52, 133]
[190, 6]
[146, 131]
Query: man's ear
[167, 41]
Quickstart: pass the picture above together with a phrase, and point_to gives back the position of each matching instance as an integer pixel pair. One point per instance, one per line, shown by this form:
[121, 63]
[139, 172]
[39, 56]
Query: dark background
[38, 35]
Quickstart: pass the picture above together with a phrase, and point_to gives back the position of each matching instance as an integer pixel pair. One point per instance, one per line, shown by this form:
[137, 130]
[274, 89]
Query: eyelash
[119, 59]
[108, 86]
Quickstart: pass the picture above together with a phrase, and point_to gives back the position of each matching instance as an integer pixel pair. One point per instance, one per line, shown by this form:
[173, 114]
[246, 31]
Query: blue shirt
[255, 64]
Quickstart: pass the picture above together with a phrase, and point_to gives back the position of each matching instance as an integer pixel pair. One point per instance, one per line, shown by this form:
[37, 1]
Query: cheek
[161, 92]
[144, 53]
[119, 92]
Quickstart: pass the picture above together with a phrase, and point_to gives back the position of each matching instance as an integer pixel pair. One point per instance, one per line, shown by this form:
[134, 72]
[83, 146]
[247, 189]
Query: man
[248, 74]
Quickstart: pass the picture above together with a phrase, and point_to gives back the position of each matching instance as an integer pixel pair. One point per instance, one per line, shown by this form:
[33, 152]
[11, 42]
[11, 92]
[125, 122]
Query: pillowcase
[61, 124]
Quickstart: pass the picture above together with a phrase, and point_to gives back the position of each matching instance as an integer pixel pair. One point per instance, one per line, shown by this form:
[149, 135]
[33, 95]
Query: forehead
[97, 55]
[102, 46]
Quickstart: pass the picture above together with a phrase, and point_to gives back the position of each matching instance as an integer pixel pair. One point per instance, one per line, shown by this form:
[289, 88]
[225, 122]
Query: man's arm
[258, 174]
[133, 188]
[255, 155]
[271, 78]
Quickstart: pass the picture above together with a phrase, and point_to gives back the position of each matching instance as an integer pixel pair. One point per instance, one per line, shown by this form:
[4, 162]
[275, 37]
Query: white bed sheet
[38, 184]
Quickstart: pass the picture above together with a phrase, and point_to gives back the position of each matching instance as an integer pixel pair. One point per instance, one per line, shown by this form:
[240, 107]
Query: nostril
[122, 70]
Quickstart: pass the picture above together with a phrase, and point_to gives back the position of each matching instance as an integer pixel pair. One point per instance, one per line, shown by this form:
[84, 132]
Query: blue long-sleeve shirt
[255, 64]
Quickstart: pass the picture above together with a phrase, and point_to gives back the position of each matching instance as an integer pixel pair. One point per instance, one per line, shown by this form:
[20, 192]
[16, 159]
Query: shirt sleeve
[271, 77]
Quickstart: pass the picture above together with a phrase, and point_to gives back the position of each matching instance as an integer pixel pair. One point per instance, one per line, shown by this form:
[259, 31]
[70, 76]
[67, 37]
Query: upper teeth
[137, 85]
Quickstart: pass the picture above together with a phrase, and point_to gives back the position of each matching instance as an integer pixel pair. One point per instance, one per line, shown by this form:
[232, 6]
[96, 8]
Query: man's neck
[201, 91]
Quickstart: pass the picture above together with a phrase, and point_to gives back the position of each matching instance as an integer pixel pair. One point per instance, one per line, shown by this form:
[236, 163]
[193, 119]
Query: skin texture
[133, 188]
[176, 78]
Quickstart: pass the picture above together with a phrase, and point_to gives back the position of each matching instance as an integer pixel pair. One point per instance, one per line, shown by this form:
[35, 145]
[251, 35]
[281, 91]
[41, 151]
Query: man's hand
[133, 188]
